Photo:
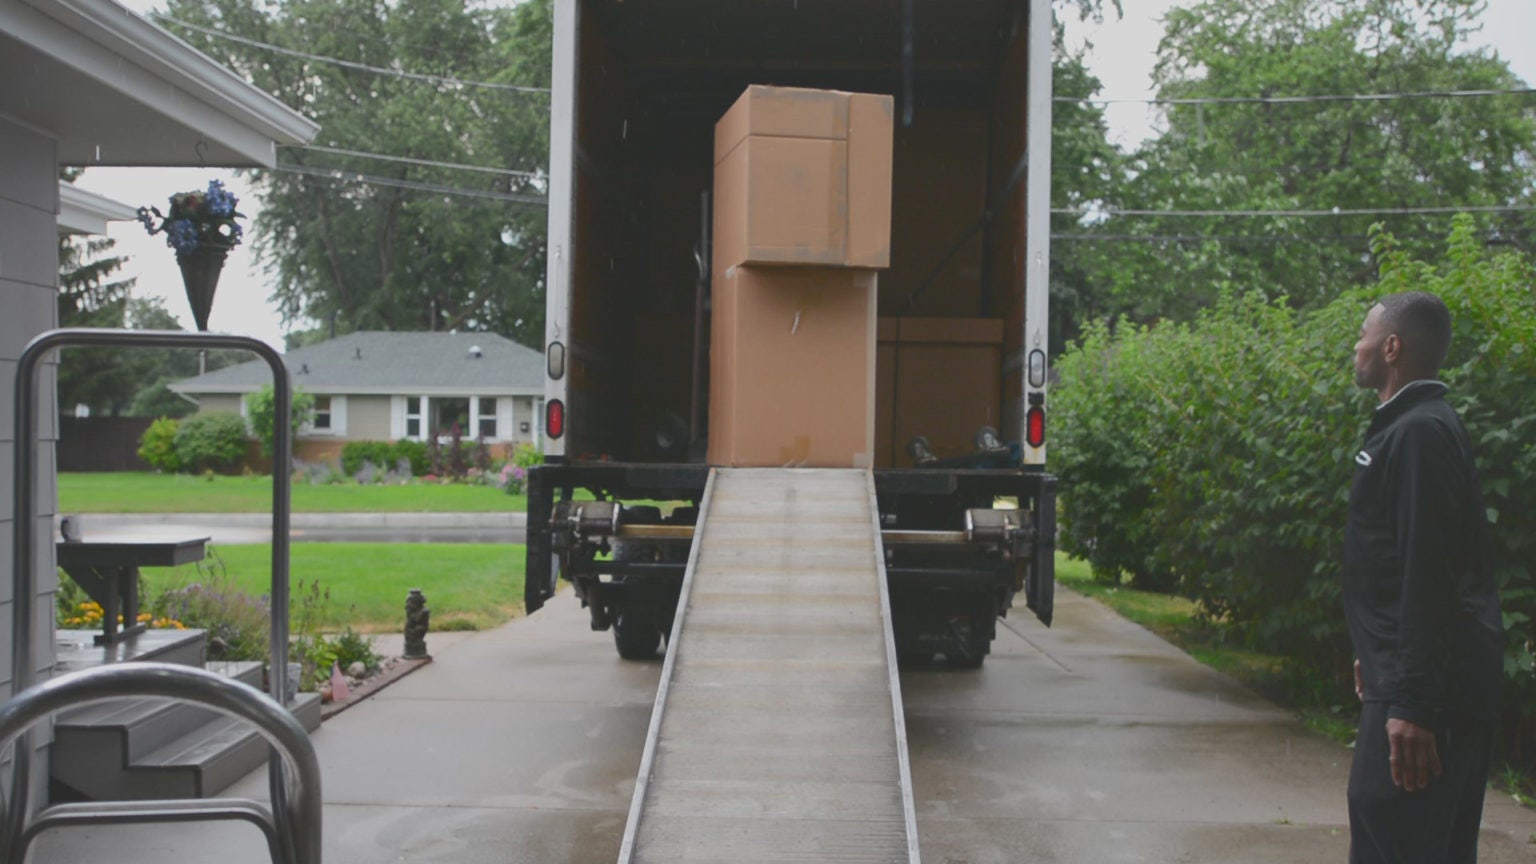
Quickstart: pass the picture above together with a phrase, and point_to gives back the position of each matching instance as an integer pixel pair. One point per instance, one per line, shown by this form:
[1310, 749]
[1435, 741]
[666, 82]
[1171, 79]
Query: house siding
[210, 403]
[368, 418]
[29, 268]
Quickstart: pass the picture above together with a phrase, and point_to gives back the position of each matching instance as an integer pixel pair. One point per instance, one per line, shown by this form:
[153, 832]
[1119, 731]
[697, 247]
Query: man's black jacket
[1419, 595]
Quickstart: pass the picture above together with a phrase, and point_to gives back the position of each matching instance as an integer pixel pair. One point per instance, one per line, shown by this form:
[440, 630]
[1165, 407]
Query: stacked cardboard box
[940, 378]
[802, 215]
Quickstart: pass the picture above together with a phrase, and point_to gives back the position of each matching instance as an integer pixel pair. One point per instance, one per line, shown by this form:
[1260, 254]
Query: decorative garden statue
[417, 616]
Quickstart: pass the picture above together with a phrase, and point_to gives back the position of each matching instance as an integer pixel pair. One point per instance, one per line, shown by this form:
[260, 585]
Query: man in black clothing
[1420, 600]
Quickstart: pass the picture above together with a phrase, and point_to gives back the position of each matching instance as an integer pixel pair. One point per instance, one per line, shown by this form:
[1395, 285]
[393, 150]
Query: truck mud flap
[539, 579]
[1040, 583]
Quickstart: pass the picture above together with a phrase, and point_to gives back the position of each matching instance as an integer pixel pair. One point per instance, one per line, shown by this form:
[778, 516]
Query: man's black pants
[1437, 825]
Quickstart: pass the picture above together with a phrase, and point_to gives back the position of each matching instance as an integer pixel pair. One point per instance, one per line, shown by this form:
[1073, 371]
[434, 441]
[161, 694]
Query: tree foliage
[372, 256]
[1216, 455]
[1420, 152]
[90, 296]
[259, 408]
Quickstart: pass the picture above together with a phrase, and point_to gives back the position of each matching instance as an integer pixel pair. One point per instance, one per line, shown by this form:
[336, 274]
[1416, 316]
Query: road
[237, 528]
[1091, 742]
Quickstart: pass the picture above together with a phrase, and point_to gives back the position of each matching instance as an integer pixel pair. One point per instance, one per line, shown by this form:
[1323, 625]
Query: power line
[378, 70]
[1364, 211]
[356, 178]
[1286, 100]
[509, 172]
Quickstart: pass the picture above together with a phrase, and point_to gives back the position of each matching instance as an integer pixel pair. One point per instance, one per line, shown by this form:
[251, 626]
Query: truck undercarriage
[958, 546]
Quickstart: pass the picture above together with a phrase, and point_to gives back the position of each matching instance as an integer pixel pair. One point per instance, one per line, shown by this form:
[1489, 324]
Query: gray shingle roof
[392, 363]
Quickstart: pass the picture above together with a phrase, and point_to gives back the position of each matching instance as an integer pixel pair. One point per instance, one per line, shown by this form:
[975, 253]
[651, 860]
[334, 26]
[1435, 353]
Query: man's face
[1370, 359]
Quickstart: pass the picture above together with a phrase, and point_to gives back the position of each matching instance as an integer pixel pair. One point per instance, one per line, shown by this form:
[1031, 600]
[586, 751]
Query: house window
[413, 415]
[322, 418]
[487, 418]
[450, 413]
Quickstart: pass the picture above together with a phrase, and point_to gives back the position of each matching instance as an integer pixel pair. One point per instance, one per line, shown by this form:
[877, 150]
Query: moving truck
[966, 508]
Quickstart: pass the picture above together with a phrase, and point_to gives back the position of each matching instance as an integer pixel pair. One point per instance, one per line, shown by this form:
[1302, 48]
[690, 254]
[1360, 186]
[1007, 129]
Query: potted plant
[201, 227]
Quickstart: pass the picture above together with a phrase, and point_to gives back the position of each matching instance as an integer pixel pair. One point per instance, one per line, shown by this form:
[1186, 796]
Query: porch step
[75, 649]
[131, 749]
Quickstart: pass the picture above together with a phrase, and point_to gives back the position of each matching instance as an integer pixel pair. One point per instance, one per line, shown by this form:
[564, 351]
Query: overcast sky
[1122, 57]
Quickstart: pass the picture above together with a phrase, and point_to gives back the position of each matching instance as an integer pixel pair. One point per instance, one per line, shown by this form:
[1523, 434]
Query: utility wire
[509, 172]
[379, 70]
[1364, 211]
[352, 177]
[1286, 100]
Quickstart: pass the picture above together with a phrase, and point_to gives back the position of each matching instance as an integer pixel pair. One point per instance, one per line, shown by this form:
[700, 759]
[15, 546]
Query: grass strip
[467, 585]
[1174, 619]
[144, 492]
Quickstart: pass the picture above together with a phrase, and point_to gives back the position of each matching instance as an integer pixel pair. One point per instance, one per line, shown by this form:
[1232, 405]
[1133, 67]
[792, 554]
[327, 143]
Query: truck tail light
[1035, 427]
[554, 418]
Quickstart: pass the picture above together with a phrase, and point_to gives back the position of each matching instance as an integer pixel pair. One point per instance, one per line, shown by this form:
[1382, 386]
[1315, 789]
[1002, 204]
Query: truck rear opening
[650, 81]
[965, 509]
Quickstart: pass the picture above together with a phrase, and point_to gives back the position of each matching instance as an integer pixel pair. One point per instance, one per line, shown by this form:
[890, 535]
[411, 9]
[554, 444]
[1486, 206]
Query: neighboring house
[384, 386]
[87, 82]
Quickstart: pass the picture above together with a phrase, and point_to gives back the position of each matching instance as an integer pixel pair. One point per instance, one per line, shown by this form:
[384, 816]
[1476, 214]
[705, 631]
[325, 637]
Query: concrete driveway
[1092, 742]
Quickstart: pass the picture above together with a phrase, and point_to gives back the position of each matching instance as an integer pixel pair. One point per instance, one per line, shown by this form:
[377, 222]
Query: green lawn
[1174, 619]
[133, 492]
[467, 585]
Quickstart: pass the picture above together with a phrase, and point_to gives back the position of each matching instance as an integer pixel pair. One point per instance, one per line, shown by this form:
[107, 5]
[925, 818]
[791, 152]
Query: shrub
[210, 442]
[527, 456]
[259, 407]
[1217, 455]
[355, 453]
[157, 446]
[352, 647]
[414, 452]
[236, 623]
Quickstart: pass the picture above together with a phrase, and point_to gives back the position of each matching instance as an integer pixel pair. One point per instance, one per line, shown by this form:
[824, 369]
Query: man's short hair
[1421, 320]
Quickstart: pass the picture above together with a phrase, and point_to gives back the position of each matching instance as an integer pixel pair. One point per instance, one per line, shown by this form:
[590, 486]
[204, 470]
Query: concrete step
[132, 749]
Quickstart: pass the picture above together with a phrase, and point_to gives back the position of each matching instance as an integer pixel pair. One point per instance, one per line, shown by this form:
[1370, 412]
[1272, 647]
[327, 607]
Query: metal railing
[28, 704]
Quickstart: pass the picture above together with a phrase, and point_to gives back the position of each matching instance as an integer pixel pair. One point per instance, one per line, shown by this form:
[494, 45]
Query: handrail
[23, 663]
[296, 813]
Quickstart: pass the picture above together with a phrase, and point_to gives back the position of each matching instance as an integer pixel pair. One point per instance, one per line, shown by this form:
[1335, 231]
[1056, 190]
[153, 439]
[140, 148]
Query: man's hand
[1414, 755]
[1359, 687]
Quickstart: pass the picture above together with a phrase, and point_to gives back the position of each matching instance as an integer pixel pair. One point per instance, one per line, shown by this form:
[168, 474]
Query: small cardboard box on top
[792, 368]
[803, 177]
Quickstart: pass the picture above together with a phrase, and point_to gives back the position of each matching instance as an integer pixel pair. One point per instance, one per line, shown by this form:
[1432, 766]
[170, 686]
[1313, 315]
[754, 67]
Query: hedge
[1215, 456]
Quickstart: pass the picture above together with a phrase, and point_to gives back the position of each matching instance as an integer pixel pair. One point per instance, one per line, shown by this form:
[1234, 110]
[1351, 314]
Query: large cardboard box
[792, 368]
[803, 177]
[940, 378]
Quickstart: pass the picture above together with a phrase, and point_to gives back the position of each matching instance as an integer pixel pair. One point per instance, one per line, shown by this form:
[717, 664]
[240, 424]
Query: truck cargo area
[777, 733]
[653, 78]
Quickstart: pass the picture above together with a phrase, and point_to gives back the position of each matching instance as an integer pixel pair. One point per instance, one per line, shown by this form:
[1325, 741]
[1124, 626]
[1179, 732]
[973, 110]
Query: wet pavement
[1091, 742]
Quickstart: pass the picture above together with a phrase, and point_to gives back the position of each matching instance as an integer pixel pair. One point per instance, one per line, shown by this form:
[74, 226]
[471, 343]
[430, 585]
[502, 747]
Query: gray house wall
[29, 269]
[368, 418]
[215, 402]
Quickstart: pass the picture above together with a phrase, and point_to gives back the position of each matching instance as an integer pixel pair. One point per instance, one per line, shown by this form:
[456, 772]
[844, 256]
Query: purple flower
[220, 201]
[181, 235]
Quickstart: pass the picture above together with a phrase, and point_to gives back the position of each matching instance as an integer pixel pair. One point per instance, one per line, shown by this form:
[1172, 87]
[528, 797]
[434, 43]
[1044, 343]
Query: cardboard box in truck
[939, 378]
[803, 177]
[792, 367]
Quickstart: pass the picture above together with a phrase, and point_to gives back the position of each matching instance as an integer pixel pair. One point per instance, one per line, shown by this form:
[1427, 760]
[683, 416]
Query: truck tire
[970, 646]
[635, 634]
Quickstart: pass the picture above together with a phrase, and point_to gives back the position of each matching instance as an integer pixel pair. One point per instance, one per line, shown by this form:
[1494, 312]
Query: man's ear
[1392, 348]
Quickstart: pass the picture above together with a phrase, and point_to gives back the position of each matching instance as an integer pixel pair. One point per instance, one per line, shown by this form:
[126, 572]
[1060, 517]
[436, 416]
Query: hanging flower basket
[201, 227]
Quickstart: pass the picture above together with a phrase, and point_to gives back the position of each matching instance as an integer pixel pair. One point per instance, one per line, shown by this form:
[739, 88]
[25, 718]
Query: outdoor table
[108, 570]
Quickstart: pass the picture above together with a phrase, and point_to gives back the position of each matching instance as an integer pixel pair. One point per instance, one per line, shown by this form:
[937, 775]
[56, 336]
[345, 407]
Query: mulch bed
[390, 671]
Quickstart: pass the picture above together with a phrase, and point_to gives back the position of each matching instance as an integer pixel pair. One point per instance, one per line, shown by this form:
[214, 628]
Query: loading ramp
[777, 733]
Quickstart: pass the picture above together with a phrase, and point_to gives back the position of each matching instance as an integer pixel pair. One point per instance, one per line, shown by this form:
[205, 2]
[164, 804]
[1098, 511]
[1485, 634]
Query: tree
[90, 297]
[259, 409]
[1405, 153]
[398, 253]
[161, 367]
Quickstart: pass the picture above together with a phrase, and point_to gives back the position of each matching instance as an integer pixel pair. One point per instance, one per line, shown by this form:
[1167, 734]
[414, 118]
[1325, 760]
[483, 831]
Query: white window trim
[338, 427]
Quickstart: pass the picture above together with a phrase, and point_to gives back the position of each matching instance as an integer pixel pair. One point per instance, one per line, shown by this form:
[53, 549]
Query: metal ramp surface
[777, 734]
